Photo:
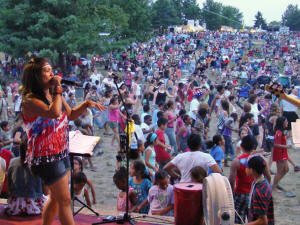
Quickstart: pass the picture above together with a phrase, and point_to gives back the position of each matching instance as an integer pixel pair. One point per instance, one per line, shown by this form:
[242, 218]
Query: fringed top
[48, 139]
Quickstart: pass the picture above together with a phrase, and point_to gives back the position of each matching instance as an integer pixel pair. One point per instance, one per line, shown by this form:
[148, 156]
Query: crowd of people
[189, 96]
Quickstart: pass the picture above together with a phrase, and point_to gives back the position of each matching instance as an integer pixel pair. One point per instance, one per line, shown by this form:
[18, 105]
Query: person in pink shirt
[170, 131]
[120, 180]
[114, 111]
[180, 122]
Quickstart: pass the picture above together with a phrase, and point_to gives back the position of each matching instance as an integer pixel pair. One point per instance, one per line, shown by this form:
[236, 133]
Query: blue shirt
[218, 154]
[141, 190]
[154, 118]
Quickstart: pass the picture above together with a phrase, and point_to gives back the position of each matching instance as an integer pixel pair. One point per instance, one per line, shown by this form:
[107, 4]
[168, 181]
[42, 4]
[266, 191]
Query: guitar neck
[290, 99]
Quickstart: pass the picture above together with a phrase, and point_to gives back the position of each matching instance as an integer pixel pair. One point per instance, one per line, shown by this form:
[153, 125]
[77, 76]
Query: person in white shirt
[18, 100]
[108, 82]
[138, 130]
[194, 106]
[181, 165]
[147, 126]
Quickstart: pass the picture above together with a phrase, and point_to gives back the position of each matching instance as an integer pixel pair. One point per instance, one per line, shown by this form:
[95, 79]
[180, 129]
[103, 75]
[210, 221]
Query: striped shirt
[261, 202]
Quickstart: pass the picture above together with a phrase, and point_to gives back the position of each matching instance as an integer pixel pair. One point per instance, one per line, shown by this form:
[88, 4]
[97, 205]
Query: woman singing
[46, 114]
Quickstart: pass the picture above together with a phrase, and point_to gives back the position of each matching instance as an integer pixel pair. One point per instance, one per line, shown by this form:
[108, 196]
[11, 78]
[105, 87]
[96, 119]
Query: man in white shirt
[182, 164]
[95, 76]
[108, 81]
[194, 106]
[147, 126]
[290, 110]
[138, 129]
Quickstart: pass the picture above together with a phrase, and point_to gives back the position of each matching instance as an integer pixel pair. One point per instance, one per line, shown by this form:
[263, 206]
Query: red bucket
[188, 208]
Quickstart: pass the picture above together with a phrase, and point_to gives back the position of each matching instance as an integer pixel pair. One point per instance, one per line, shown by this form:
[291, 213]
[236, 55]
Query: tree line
[54, 27]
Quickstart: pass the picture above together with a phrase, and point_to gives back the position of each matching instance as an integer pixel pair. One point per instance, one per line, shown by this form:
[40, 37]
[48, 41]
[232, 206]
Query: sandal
[290, 194]
[297, 168]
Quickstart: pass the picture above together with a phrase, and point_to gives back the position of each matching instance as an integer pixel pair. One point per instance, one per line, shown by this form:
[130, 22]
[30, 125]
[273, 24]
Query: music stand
[80, 145]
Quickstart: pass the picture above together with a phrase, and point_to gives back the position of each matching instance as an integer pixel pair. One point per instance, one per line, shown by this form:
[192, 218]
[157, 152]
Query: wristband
[58, 90]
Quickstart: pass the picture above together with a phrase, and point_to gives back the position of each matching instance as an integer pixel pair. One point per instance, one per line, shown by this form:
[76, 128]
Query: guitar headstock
[275, 89]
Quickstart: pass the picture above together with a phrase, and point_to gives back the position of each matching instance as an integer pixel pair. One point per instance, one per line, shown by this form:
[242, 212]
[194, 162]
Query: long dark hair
[32, 79]
[23, 150]
[160, 175]
[214, 142]
[245, 118]
[280, 123]
[140, 167]
[148, 142]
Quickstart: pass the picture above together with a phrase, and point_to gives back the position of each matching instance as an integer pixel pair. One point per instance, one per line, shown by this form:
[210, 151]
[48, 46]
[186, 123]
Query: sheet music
[82, 144]
[296, 133]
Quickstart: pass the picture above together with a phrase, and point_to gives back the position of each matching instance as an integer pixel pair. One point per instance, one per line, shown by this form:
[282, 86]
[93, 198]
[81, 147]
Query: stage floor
[84, 218]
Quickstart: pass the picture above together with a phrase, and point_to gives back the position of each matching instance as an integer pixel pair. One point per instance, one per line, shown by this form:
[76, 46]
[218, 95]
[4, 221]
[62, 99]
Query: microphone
[69, 82]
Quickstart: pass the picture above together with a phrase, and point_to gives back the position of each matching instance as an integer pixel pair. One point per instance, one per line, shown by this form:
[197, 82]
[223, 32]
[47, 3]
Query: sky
[270, 9]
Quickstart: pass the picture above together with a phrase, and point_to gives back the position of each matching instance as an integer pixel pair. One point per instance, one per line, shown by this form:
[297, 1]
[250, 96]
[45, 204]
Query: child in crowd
[280, 154]
[239, 180]
[238, 149]
[198, 174]
[178, 105]
[223, 116]
[5, 135]
[216, 150]
[146, 111]
[161, 196]
[261, 209]
[149, 154]
[184, 133]
[120, 180]
[227, 133]
[79, 181]
[162, 155]
[155, 116]
[114, 114]
[147, 126]
[78, 167]
[141, 184]
[179, 122]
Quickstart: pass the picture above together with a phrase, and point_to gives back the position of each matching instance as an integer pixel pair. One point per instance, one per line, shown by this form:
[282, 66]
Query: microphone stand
[126, 217]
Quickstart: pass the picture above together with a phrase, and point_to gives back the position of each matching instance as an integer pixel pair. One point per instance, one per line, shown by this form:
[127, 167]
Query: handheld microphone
[69, 82]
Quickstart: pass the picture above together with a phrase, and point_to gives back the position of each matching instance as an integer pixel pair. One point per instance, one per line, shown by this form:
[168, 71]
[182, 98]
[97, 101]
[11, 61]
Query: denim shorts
[53, 171]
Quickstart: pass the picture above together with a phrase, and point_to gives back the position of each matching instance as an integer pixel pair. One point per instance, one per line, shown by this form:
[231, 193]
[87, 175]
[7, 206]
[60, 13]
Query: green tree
[29, 26]
[52, 27]
[191, 10]
[164, 14]
[139, 18]
[212, 14]
[232, 17]
[291, 17]
[260, 21]
[274, 25]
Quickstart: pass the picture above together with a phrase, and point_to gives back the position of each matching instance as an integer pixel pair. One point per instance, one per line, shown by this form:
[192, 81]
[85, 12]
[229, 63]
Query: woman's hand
[55, 81]
[99, 106]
